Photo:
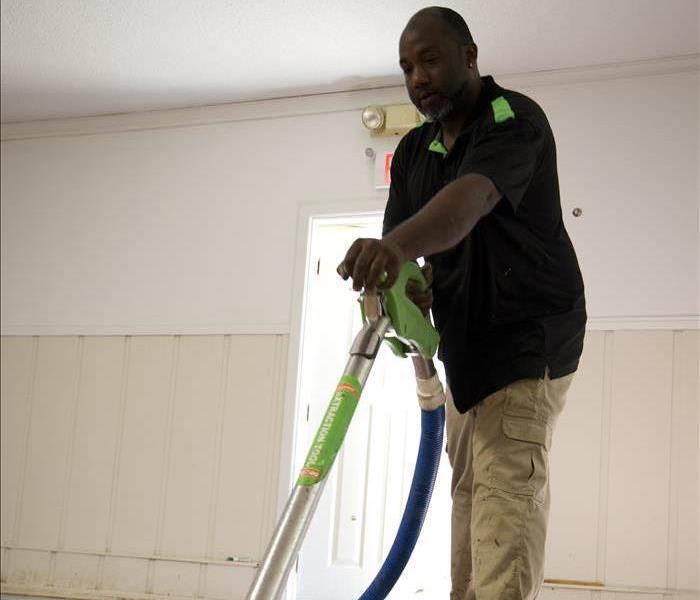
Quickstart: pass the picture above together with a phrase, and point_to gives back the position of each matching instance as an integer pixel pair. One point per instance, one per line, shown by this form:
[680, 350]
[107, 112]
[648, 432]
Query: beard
[439, 106]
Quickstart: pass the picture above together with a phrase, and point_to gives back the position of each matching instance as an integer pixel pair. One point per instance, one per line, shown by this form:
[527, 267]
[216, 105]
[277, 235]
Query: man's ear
[471, 52]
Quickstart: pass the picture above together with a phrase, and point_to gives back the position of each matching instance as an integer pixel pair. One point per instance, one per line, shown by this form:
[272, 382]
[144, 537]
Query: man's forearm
[447, 219]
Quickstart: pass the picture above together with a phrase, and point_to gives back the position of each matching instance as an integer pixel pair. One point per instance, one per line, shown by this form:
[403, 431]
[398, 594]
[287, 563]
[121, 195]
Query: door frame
[308, 213]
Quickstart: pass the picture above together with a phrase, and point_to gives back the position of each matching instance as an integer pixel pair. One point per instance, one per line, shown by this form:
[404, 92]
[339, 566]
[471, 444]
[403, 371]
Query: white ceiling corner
[68, 58]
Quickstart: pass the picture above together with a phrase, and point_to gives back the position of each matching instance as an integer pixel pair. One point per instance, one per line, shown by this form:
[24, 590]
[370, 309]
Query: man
[475, 191]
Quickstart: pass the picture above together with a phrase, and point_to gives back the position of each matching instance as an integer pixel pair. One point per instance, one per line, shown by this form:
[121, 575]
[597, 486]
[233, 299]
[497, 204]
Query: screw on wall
[370, 153]
[577, 212]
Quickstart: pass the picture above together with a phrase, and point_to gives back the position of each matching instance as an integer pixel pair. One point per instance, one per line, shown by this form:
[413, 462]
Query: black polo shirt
[509, 298]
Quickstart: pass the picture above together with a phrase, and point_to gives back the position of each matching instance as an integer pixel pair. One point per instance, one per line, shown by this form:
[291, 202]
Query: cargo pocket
[515, 438]
[522, 468]
[523, 398]
[527, 430]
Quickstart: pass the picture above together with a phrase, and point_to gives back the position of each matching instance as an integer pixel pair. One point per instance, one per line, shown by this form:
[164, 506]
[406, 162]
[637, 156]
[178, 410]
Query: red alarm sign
[388, 156]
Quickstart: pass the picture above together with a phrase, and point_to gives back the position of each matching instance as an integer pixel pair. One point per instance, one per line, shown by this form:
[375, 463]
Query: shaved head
[453, 21]
[438, 58]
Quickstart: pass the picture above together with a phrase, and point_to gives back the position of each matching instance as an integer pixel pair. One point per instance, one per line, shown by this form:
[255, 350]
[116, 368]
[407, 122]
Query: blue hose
[427, 463]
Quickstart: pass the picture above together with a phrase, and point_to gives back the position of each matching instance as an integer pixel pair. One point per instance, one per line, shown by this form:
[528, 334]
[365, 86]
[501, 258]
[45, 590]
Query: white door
[362, 504]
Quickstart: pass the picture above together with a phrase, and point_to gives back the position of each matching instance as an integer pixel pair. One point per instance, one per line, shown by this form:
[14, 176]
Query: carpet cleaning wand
[414, 336]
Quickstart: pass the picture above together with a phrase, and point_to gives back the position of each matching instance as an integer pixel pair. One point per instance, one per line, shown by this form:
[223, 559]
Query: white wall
[177, 230]
[140, 464]
[193, 229]
[624, 464]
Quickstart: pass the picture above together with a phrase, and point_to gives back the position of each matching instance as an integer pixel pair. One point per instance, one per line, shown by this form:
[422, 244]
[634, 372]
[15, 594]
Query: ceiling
[66, 58]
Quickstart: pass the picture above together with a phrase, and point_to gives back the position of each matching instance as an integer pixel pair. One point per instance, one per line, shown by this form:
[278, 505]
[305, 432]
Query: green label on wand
[331, 433]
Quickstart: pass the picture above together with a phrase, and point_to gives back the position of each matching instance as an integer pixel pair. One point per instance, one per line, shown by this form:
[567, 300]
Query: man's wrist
[396, 247]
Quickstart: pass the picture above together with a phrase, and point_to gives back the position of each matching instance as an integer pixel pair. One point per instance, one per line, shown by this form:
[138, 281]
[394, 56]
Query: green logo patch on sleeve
[502, 110]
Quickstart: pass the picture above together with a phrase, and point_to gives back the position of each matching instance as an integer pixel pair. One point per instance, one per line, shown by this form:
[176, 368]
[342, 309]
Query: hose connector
[431, 395]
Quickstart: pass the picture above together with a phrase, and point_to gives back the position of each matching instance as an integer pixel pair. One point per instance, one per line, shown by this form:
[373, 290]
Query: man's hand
[368, 260]
[423, 299]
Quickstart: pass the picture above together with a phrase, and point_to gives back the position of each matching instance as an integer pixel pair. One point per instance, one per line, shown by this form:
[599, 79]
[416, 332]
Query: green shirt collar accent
[437, 146]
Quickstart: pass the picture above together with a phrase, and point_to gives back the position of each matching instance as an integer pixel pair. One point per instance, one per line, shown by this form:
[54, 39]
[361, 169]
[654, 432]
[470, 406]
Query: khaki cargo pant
[500, 489]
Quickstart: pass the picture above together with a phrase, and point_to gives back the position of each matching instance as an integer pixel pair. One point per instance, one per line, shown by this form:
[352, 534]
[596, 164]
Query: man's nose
[419, 77]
